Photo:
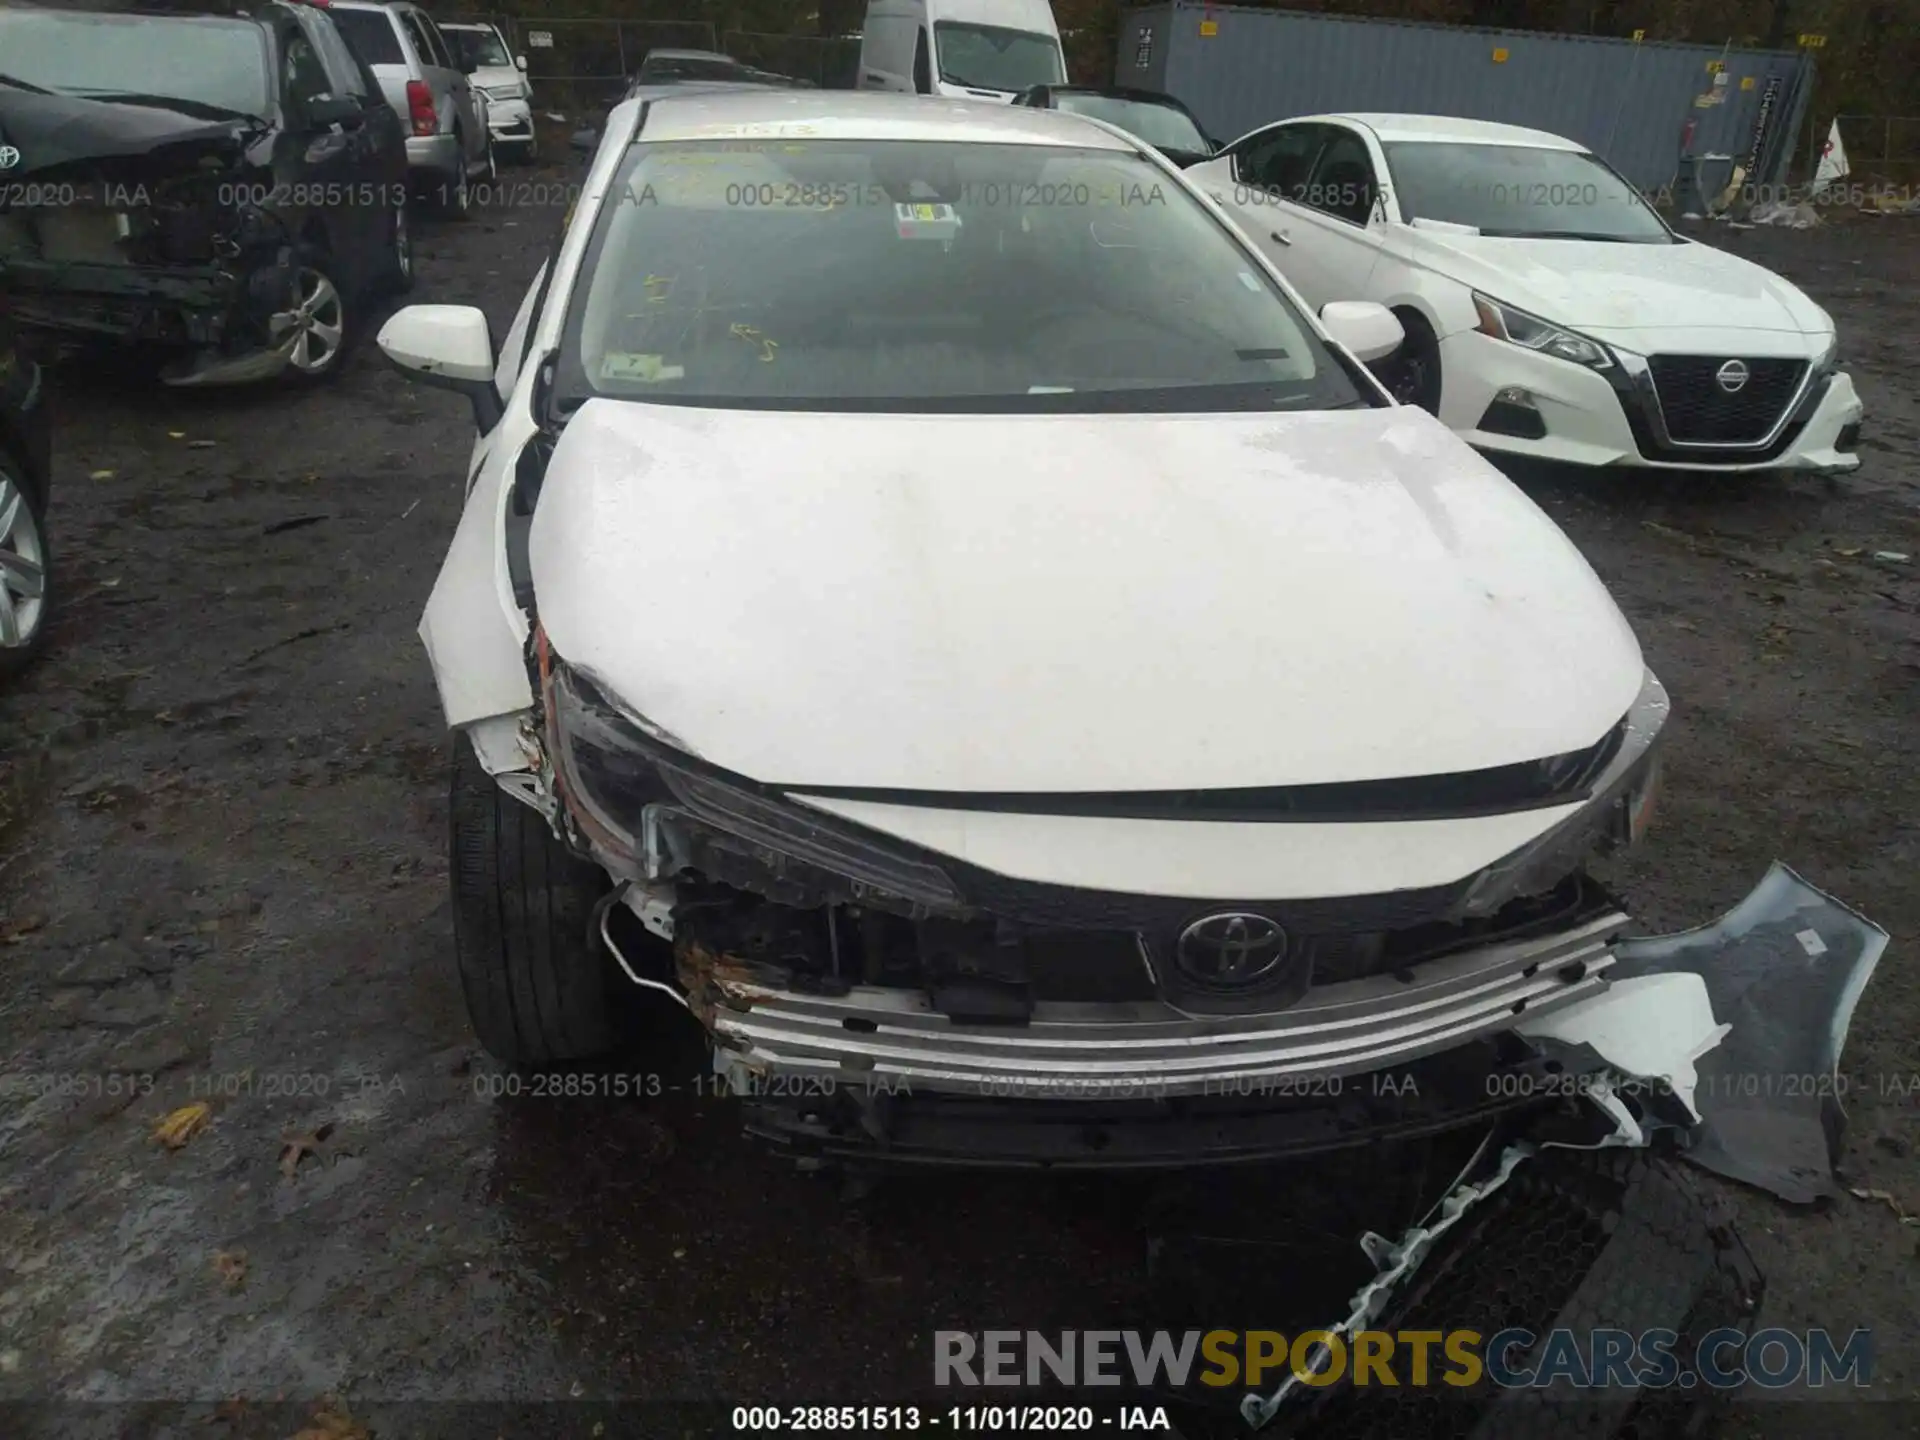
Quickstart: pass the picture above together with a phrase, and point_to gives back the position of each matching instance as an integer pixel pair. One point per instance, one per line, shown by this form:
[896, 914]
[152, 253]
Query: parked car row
[1039, 590]
[226, 190]
[231, 189]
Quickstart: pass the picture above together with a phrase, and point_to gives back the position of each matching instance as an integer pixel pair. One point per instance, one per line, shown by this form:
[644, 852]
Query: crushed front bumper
[511, 122]
[893, 1038]
[1723, 1032]
[222, 316]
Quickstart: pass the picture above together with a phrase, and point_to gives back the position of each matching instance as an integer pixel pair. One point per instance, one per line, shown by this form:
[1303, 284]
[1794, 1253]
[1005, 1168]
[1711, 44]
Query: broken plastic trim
[1396, 1261]
[1786, 966]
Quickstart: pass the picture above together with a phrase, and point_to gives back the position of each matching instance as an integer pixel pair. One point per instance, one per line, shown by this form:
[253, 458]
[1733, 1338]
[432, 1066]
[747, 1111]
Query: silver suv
[448, 140]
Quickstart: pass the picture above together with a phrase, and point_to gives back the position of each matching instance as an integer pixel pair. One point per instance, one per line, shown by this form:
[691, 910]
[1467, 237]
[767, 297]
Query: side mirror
[520, 61]
[334, 110]
[1369, 332]
[449, 347]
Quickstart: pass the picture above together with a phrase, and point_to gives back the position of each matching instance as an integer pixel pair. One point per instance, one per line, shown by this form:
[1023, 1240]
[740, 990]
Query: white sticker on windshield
[925, 222]
[1050, 389]
[649, 369]
[1246, 279]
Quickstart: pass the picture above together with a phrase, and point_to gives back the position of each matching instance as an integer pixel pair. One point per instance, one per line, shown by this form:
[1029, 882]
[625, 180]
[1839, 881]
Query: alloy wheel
[23, 568]
[321, 316]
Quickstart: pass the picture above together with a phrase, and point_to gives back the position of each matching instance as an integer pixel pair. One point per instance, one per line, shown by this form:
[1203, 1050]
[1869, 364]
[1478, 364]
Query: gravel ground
[222, 877]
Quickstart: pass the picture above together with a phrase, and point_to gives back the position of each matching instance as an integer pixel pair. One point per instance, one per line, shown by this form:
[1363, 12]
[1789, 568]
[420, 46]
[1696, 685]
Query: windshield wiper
[199, 108]
[17, 83]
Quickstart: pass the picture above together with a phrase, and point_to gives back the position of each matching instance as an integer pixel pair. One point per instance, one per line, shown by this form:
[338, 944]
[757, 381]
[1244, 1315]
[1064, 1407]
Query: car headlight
[1829, 353]
[1530, 332]
[1617, 812]
[615, 769]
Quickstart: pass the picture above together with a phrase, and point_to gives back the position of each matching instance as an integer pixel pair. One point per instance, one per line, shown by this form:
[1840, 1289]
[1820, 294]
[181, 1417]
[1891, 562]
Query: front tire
[539, 988]
[1412, 373]
[454, 194]
[397, 276]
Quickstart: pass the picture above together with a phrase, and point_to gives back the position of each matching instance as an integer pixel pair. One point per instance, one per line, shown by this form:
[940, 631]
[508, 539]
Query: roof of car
[463, 25]
[1436, 129]
[850, 115]
[661, 52]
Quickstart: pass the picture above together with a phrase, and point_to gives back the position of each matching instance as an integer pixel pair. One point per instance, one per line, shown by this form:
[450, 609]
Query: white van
[987, 49]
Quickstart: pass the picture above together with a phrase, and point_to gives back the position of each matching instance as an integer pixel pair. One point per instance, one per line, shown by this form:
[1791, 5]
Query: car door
[360, 208]
[466, 104]
[1335, 227]
[319, 163]
[1256, 178]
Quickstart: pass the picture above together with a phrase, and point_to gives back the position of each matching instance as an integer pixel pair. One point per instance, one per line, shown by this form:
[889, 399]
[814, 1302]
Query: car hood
[1597, 285]
[496, 77]
[1071, 603]
[51, 131]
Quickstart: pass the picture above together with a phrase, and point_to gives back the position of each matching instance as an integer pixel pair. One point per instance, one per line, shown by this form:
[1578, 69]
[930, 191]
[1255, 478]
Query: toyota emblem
[1231, 950]
[1732, 376]
[9, 157]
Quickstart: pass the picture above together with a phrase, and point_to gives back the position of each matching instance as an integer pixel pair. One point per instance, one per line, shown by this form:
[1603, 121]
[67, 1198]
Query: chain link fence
[830, 64]
[1881, 149]
[582, 66]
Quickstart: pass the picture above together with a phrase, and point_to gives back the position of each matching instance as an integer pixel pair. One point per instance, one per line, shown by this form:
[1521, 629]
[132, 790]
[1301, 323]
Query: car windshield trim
[864, 301]
[1521, 192]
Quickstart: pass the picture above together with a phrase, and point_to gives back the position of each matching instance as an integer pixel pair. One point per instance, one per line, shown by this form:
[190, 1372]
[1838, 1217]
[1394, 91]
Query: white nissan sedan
[1549, 310]
[925, 569]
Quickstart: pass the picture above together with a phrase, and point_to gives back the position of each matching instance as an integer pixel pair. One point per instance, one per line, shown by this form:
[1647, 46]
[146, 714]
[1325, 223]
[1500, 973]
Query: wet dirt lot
[222, 878]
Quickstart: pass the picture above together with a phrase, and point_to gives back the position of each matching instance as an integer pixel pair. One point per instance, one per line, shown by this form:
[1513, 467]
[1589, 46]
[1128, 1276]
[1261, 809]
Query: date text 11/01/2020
[805, 1419]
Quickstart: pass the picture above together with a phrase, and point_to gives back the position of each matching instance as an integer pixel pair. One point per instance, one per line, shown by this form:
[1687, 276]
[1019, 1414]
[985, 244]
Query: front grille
[1699, 412]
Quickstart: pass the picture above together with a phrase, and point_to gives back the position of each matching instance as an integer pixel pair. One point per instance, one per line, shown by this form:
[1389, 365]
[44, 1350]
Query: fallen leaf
[1849, 553]
[176, 434]
[14, 931]
[332, 1422]
[183, 1124]
[1886, 1198]
[231, 1267]
[101, 475]
[298, 1147]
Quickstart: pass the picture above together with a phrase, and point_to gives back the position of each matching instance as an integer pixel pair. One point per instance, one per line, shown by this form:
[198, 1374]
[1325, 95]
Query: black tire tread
[538, 990]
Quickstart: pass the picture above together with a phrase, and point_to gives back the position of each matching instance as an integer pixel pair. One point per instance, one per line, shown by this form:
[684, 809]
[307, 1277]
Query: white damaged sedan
[932, 600]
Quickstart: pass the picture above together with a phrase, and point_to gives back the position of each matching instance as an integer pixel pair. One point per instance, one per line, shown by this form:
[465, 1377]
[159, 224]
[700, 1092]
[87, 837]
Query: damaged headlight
[1530, 332]
[1618, 813]
[616, 772]
[792, 831]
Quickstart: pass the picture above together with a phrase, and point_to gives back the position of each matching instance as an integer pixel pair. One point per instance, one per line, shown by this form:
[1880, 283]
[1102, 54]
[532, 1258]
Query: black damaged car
[229, 189]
